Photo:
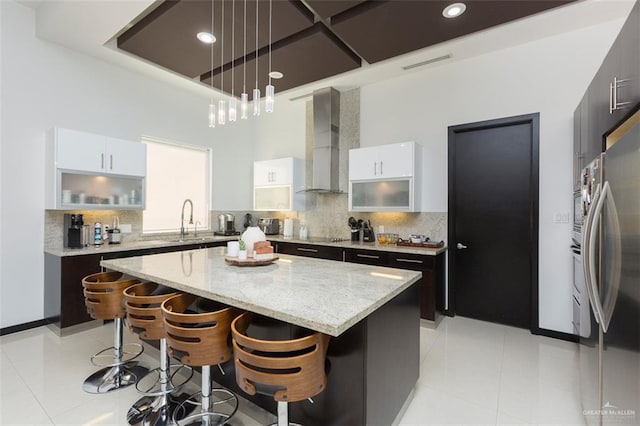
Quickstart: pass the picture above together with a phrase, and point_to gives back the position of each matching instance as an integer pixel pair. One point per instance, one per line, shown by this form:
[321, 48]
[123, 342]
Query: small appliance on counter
[72, 230]
[114, 232]
[226, 225]
[368, 235]
[270, 226]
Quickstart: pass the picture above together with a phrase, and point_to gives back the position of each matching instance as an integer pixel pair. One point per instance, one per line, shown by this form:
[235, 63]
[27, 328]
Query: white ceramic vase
[252, 235]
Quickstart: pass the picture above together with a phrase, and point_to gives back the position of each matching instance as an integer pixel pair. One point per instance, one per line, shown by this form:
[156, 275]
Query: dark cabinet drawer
[413, 262]
[310, 250]
[367, 257]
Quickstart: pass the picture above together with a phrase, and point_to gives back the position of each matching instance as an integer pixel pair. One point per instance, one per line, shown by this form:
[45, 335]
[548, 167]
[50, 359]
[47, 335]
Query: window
[176, 172]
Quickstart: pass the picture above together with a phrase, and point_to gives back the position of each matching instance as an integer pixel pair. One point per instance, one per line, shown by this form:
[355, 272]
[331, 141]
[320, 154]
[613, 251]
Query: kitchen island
[372, 314]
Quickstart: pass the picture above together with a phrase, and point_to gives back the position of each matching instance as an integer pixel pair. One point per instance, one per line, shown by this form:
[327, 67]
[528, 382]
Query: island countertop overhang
[322, 295]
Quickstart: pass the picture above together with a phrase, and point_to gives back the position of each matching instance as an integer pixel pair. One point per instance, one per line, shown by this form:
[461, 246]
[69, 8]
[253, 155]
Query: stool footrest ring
[221, 399]
[177, 376]
[109, 358]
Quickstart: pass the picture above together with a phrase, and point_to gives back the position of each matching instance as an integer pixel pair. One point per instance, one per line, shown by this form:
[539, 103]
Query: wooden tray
[249, 261]
[428, 244]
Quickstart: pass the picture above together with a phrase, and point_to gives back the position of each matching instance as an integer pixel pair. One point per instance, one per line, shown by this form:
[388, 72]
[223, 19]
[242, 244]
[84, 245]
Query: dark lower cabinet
[431, 284]
[309, 250]
[63, 296]
[432, 267]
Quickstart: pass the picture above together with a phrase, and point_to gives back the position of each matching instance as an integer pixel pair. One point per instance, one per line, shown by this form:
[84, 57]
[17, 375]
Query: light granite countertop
[321, 295]
[173, 242]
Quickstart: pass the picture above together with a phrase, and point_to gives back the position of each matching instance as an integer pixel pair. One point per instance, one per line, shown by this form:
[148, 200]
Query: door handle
[460, 246]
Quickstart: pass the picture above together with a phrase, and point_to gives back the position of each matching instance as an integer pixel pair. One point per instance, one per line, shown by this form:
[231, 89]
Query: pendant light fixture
[212, 106]
[244, 97]
[222, 104]
[269, 92]
[233, 102]
[256, 91]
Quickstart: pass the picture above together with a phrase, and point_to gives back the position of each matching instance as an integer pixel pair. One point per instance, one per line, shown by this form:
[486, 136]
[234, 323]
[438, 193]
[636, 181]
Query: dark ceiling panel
[305, 51]
[325, 9]
[379, 30]
[167, 36]
[302, 59]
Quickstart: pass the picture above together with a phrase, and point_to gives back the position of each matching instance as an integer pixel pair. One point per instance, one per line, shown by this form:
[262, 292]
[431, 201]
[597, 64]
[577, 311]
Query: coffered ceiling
[310, 40]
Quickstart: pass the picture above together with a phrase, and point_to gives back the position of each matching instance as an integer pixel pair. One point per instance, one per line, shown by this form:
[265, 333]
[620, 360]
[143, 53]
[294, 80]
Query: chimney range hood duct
[326, 143]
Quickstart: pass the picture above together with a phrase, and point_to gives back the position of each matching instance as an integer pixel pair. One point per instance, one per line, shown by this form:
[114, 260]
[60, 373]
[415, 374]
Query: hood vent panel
[326, 141]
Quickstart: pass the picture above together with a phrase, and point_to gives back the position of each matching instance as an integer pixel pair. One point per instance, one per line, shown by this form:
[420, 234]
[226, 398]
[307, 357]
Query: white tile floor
[471, 372]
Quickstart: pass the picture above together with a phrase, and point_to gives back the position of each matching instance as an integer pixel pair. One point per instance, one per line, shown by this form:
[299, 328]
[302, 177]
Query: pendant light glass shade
[244, 106]
[270, 91]
[233, 108]
[269, 98]
[222, 112]
[256, 101]
[212, 115]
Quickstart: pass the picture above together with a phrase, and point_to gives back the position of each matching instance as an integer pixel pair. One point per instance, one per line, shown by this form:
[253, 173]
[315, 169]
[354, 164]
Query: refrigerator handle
[588, 254]
[614, 259]
[597, 214]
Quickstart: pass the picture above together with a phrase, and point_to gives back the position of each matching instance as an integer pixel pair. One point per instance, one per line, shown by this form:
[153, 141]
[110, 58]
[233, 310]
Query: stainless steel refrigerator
[610, 351]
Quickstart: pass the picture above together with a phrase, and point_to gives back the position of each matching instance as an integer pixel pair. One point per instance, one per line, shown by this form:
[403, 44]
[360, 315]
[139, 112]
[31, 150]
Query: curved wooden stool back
[295, 368]
[103, 294]
[197, 335]
[142, 302]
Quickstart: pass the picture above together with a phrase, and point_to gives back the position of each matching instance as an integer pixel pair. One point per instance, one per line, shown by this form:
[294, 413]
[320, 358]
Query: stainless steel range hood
[326, 141]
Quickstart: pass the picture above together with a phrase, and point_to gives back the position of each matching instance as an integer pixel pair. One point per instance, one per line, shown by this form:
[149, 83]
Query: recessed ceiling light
[276, 74]
[206, 37]
[454, 10]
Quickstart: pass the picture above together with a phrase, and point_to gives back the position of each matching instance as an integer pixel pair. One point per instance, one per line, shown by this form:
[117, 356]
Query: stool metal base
[220, 399]
[112, 378]
[155, 411]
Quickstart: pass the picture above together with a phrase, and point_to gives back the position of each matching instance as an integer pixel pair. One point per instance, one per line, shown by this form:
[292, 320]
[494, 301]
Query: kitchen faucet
[182, 231]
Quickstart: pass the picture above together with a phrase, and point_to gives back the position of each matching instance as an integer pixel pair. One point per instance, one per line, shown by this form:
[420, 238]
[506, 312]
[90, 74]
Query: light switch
[125, 228]
[561, 217]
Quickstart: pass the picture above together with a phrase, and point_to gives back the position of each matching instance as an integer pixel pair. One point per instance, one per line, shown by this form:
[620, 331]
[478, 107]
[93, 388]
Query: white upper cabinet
[273, 172]
[385, 178]
[276, 184]
[88, 152]
[89, 171]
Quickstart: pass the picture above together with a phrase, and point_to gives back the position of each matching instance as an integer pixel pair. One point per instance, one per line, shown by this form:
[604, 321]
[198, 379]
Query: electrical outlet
[561, 217]
[125, 228]
[380, 229]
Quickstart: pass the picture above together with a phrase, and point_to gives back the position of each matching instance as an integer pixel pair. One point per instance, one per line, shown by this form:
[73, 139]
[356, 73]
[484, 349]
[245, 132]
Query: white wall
[45, 85]
[547, 76]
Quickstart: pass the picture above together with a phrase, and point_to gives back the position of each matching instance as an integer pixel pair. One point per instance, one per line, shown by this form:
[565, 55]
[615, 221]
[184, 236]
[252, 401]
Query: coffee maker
[226, 225]
[72, 230]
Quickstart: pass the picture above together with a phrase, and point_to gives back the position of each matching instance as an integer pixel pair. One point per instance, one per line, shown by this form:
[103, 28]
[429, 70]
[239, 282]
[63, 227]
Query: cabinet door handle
[102, 161]
[307, 249]
[381, 172]
[611, 98]
[616, 84]
[368, 256]
[375, 168]
[410, 260]
[110, 162]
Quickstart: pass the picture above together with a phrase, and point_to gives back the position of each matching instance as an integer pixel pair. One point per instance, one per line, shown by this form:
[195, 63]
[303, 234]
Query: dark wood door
[493, 220]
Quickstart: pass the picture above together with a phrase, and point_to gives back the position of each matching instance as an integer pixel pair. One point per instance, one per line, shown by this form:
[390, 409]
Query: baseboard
[22, 327]
[556, 334]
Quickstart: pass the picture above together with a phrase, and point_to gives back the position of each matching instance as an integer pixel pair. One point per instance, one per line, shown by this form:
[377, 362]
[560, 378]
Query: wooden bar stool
[198, 333]
[162, 385]
[289, 370]
[103, 298]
